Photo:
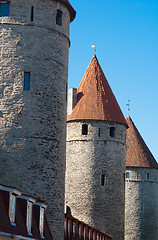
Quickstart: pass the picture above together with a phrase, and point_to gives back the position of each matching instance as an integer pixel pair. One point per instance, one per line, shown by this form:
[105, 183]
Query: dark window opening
[4, 9]
[32, 13]
[59, 17]
[112, 132]
[98, 132]
[102, 179]
[66, 91]
[147, 176]
[84, 129]
[137, 175]
[127, 174]
[141, 207]
[26, 80]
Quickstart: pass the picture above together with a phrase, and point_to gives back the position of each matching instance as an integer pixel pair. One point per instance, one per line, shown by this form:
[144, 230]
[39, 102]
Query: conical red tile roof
[137, 152]
[70, 8]
[95, 99]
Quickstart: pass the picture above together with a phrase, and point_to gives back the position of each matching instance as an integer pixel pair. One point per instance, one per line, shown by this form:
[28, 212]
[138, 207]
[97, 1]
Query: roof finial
[128, 105]
[94, 48]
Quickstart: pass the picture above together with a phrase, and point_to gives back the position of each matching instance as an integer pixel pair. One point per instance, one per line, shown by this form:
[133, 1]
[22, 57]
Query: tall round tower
[141, 191]
[96, 150]
[34, 41]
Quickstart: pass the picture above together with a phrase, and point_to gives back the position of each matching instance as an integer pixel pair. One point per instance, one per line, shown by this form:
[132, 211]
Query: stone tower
[96, 151]
[34, 44]
[141, 191]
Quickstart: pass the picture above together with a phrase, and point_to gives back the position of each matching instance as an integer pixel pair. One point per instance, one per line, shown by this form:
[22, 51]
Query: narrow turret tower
[96, 151]
[34, 43]
[141, 201]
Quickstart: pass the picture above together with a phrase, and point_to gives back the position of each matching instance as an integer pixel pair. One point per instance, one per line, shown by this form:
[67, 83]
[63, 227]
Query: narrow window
[98, 132]
[84, 129]
[29, 217]
[102, 179]
[66, 92]
[137, 175]
[32, 13]
[59, 17]
[112, 132]
[12, 205]
[127, 174]
[4, 9]
[141, 207]
[147, 176]
[41, 223]
[26, 80]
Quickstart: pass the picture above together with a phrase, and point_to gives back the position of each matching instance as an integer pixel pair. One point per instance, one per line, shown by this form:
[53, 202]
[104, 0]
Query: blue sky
[126, 36]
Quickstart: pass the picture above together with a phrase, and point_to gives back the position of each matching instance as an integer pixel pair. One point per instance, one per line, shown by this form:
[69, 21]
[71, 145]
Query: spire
[95, 99]
[138, 154]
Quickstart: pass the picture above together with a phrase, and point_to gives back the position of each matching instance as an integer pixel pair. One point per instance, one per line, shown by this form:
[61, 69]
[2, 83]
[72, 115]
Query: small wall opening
[59, 17]
[102, 180]
[32, 13]
[84, 129]
[127, 175]
[112, 132]
[147, 175]
[98, 132]
[4, 9]
[141, 207]
[26, 80]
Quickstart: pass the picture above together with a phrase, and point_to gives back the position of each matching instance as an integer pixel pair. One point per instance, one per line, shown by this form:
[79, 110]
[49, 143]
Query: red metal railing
[77, 230]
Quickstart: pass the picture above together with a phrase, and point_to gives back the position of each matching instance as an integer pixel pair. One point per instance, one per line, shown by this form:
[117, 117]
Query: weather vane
[128, 105]
[94, 48]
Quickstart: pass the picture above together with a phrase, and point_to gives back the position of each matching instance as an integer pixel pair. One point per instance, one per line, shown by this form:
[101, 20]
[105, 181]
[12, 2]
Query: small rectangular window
[12, 205]
[147, 176]
[26, 80]
[112, 132]
[84, 129]
[141, 207]
[98, 132]
[127, 174]
[4, 9]
[29, 217]
[59, 17]
[102, 179]
[32, 13]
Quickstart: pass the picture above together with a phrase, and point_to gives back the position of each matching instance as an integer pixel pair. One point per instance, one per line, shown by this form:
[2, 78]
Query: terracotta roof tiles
[137, 152]
[95, 99]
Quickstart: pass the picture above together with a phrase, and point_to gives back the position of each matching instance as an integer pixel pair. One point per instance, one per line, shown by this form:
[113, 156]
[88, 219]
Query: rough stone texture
[88, 157]
[141, 224]
[33, 123]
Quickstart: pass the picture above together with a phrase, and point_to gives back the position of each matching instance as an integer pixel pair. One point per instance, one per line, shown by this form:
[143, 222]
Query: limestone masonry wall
[89, 158]
[141, 204]
[32, 123]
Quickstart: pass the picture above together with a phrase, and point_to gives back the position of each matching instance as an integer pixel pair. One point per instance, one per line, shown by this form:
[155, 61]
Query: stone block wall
[33, 122]
[141, 204]
[88, 157]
